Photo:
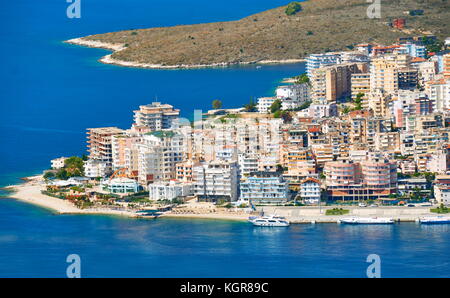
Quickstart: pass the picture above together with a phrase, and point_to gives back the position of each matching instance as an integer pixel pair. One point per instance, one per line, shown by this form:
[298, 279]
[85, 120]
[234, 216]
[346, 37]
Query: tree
[293, 8]
[62, 174]
[302, 79]
[345, 109]
[216, 104]
[251, 106]
[74, 166]
[49, 175]
[358, 102]
[276, 106]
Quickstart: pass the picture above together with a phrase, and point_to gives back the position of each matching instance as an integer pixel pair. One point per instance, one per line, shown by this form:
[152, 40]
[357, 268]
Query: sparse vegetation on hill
[293, 8]
[320, 26]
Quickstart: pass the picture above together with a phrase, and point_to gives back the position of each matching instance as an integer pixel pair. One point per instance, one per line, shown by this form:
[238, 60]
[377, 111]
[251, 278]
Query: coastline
[119, 47]
[30, 192]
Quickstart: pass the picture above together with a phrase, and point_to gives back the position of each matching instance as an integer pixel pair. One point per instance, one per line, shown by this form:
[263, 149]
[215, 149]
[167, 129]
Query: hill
[321, 25]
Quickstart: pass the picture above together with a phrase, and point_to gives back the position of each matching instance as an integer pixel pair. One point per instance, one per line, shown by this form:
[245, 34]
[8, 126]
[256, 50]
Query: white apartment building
[248, 163]
[264, 104]
[216, 180]
[159, 154]
[310, 191]
[169, 190]
[96, 168]
[439, 93]
[293, 96]
[58, 163]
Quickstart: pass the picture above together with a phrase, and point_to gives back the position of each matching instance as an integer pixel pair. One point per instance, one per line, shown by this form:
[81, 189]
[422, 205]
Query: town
[364, 127]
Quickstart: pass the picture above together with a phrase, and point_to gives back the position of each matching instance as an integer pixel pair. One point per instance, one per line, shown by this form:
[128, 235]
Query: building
[215, 181]
[159, 154]
[248, 163]
[408, 78]
[439, 93]
[58, 163]
[399, 23]
[310, 191]
[446, 66]
[372, 179]
[265, 188]
[360, 84]
[413, 50]
[293, 96]
[410, 186]
[315, 61]
[442, 194]
[264, 104]
[169, 190]
[100, 144]
[331, 83]
[384, 75]
[96, 169]
[156, 116]
[122, 186]
[184, 171]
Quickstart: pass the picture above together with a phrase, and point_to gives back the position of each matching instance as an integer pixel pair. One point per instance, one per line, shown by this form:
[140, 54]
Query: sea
[50, 92]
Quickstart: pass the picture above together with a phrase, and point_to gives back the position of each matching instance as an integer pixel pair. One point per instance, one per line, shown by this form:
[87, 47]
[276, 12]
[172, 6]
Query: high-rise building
[156, 116]
[384, 75]
[100, 144]
[360, 83]
[216, 180]
[331, 83]
[315, 61]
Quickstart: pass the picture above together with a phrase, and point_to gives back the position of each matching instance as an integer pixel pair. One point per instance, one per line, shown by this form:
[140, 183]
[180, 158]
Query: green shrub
[293, 8]
[337, 211]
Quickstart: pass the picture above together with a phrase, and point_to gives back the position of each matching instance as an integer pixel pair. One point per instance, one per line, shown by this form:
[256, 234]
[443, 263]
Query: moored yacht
[366, 221]
[435, 220]
[269, 221]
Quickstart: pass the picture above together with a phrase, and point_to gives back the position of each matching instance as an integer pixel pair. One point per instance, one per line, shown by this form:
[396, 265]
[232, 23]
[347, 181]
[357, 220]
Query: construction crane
[120, 173]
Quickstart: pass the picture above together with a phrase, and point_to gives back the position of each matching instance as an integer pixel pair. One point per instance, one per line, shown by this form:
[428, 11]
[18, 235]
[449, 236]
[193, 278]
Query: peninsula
[273, 36]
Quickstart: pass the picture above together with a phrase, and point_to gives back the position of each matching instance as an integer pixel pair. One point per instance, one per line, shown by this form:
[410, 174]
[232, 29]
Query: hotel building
[265, 188]
[156, 116]
[216, 180]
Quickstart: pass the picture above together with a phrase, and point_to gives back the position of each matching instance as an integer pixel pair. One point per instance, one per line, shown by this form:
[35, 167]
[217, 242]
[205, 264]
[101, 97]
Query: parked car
[362, 205]
[411, 205]
[373, 205]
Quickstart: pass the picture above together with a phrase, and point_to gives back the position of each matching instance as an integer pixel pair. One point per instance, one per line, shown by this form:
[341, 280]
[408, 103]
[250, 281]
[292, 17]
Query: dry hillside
[322, 25]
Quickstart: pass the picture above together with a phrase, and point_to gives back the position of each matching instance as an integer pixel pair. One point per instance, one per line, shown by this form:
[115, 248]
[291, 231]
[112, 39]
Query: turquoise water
[51, 92]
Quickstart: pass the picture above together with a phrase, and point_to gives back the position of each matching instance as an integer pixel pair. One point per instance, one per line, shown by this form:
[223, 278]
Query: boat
[148, 213]
[435, 220]
[269, 221]
[366, 221]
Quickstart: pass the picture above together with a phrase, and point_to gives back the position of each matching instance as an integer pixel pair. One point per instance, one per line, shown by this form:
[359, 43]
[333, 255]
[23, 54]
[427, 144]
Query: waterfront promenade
[30, 192]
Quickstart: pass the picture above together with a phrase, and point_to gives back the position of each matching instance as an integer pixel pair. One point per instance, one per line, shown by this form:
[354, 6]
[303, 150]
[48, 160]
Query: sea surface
[50, 92]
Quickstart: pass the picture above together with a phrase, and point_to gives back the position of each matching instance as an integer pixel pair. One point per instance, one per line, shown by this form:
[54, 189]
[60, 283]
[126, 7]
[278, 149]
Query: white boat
[366, 221]
[269, 221]
[435, 220]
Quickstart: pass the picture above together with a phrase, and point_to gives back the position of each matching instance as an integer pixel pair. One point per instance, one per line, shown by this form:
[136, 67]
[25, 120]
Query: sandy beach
[119, 47]
[30, 192]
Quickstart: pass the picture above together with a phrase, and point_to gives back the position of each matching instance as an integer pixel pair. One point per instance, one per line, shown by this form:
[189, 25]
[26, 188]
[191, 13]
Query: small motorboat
[366, 221]
[435, 220]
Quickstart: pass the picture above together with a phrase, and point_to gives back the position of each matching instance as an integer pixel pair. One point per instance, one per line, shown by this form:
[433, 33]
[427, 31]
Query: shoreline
[30, 192]
[119, 47]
